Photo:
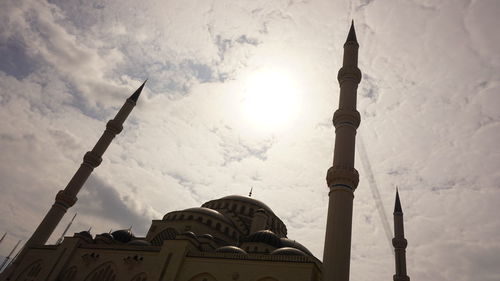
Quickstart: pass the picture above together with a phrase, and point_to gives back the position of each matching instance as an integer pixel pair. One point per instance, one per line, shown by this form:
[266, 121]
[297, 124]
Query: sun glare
[271, 98]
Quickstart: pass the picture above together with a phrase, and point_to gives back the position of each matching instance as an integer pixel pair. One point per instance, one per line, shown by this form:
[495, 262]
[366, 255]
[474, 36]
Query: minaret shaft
[92, 159]
[342, 178]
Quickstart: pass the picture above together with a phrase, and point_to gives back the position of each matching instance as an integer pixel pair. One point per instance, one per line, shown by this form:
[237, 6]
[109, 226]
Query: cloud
[428, 100]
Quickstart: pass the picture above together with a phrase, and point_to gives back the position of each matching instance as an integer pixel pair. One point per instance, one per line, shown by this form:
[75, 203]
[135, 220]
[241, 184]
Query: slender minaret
[67, 197]
[1, 239]
[10, 254]
[342, 178]
[399, 242]
[59, 241]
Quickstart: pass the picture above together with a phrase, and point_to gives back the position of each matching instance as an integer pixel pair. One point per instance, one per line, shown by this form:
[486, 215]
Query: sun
[271, 98]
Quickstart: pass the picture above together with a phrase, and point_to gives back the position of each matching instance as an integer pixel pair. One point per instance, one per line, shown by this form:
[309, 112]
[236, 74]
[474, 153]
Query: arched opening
[104, 272]
[69, 274]
[203, 277]
[140, 277]
[31, 272]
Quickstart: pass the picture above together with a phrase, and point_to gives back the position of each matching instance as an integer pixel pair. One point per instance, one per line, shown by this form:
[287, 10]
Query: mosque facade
[231, 238]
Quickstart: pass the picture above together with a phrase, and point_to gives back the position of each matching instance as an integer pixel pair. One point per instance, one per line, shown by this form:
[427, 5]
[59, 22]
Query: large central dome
[241, 209]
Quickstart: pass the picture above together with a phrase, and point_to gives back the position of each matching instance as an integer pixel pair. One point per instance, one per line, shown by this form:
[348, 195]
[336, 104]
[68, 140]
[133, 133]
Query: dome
[105, 235]
[231, 249]
[104, 238]
[249, 200]
[285, 242]
[138, 242]
[287, 251]
[190, 234]
[124, 235]
[207, 236]
[265, 236]
[84, 234]
[208, 212]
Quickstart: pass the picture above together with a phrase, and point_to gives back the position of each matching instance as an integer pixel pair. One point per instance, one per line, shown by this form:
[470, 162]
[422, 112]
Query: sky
[240, 94]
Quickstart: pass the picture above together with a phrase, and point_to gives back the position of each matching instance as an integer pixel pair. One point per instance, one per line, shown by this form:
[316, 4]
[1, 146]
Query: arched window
[104, 272]
[140, 277]
[203, 277]
[267, 279]
[69, 274]
[31, 271]
[190, 217]
[209, 222]
[242, 209]
[217, 226]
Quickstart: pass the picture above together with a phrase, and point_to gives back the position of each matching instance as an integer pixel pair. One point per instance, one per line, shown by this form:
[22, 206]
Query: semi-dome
[265, 236]
[287, 251]
[138, 242]
[285, 242]
[123, 235]
[231, 249]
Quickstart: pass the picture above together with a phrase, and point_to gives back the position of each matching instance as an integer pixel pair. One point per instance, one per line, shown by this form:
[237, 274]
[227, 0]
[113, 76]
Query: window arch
[267, 279]
[203, 277]
[140, 277]
[104, 272]
[69, 274]
[31, 271]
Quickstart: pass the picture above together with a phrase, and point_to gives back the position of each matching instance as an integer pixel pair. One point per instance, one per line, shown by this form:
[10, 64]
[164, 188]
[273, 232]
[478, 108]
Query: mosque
[230, 238]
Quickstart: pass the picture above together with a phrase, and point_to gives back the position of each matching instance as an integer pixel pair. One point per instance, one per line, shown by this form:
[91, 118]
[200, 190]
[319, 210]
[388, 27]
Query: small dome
[287, 251]
[105, 235]
[265, 236]
[285, 242]
[124, 235]
[105, 238]
[84, 234]
[138, 242]
[231, 249]
[190, 234]
[206, 235]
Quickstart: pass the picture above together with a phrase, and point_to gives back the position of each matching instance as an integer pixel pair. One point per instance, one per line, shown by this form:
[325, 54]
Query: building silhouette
[230, 238]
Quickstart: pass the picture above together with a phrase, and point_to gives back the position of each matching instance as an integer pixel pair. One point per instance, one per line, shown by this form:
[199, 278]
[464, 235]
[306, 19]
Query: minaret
[399, 242]
[342, 178]
[67, 197]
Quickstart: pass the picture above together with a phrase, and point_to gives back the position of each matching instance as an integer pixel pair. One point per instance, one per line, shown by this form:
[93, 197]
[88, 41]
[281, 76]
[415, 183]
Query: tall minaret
[342, 178]
[67, 197]
[399, 242]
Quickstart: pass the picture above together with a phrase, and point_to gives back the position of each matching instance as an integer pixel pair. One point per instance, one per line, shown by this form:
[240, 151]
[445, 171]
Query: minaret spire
[352, 34]
[92, 159]
[399, 242]
[342, 178]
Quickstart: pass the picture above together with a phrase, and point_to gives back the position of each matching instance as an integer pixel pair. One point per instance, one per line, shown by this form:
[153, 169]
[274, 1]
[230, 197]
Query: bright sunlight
[272, 98]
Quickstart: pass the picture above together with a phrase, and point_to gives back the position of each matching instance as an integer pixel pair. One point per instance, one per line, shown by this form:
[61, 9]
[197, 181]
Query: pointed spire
[250, 193]
[135, 96]
[352, 34]
[397, 205]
